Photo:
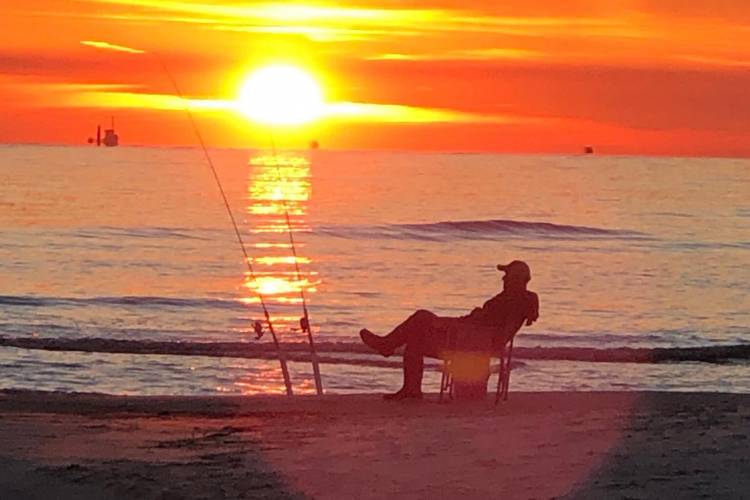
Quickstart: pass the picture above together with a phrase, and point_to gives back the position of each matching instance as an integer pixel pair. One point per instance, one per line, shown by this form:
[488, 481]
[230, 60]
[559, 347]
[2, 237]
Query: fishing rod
[258, 328]
[305, 320]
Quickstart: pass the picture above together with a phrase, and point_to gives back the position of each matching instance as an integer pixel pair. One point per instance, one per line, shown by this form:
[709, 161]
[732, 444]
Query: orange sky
[628, 76]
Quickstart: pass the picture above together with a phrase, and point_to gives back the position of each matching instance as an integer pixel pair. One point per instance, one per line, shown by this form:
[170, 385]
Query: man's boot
[375, 342]
[413, 370]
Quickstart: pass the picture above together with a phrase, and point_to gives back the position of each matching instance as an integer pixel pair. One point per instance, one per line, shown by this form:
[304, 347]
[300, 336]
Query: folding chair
[505, 355]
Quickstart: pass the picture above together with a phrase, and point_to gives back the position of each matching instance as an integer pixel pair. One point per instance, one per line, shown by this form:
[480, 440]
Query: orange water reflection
[264, 378]
[279, 189]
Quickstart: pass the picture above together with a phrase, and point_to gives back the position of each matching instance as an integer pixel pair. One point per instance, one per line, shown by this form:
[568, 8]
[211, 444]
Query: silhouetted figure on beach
[483, 330]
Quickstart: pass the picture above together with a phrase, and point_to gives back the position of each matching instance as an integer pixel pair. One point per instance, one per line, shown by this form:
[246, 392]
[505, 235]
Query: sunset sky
[627, 76]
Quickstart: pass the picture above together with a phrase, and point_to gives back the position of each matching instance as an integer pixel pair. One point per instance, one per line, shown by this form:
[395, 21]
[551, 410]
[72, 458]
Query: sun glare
[281, 95]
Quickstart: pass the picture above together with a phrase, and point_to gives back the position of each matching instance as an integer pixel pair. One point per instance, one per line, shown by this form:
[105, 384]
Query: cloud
[78, 87]
[135, 100]
[493, 54]
[316, 33]
[396, 113]
[285, 14]
[326, 23]
[89, 96]
[111, 46]
[40, 64]
[715, 61]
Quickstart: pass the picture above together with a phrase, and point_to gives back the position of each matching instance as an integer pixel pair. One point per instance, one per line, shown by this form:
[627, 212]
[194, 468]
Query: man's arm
[533, 313]
[492, 312]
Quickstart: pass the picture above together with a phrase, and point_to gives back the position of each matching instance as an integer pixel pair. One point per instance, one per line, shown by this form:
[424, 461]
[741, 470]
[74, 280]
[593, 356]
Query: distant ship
[111, 139]
[314, 144]
[589, 150]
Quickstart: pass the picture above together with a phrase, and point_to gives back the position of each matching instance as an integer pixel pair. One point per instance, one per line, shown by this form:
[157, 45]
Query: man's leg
[413, 368]
[414, 333]
[411, 331]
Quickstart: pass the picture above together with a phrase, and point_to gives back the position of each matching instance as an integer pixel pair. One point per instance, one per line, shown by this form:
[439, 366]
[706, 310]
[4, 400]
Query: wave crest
[477, 229]
[127, 300]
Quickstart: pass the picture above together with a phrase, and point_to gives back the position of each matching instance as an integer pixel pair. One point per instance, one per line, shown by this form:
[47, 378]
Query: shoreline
[569, 445]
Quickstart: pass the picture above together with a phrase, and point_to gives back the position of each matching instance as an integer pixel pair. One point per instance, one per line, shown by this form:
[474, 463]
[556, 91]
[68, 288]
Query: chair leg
[446, 381]
[506, 385]
[500, 380]
[507, 371]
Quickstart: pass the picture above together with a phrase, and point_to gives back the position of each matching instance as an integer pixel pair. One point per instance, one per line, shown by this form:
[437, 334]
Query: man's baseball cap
[517, 268]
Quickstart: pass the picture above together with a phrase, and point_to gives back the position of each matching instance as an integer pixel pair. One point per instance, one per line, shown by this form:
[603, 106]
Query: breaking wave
[105, 232]
[479, 229]
[141, 301]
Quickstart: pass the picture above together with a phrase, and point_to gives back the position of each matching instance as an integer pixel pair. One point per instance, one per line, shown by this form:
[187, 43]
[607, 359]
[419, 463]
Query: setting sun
[281, 95]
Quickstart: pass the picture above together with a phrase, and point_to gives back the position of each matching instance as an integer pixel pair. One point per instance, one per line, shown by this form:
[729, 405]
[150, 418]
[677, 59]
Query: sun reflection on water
[279, 189]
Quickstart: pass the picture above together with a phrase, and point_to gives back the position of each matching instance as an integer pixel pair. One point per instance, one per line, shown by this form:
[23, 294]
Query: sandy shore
[537, 445]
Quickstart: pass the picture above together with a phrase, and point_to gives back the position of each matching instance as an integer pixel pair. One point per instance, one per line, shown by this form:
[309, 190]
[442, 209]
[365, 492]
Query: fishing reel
[304, 324]
[258, 327]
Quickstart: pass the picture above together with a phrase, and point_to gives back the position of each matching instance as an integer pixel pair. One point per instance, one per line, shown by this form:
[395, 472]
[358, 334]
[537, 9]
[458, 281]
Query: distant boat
[589, 150]
[111, 139]
[314, 145]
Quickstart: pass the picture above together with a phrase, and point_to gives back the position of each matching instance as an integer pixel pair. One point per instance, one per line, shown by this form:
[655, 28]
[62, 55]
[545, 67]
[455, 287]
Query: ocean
[120, 271]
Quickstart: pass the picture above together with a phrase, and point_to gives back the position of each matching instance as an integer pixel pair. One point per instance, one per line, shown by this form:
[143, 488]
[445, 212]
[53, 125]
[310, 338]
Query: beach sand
[536, 445]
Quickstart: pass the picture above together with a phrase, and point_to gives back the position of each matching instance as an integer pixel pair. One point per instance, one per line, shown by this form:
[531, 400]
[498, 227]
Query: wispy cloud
[326, 23]
[134, 100]
[24, 85]
[91, 97]
[394, 113]
[82, 87]
[285, 13]
[111, 46]
[317, 33]
[715, 61]
[463, 55]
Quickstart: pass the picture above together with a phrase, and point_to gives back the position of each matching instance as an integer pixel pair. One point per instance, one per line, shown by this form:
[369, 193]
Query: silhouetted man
[481, 331]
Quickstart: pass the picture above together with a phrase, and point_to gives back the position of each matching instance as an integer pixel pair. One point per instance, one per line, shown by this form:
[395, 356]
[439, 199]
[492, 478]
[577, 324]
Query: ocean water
[125, 263]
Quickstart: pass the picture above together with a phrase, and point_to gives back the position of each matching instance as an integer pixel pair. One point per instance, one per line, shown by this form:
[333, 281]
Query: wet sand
[537, 445]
